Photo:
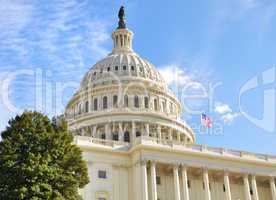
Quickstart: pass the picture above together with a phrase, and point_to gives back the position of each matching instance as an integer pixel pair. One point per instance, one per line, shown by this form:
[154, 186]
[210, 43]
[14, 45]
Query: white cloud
[226, 113]
[63, 37]
[14, 17]
[222, 108]
[173, 74]
[229, 117]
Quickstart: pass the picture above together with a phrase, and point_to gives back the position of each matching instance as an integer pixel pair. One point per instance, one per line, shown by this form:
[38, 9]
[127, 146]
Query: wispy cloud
[191, 88]
[229, 117]
[62, 38]
[222, 108]
[174, 74]
[225, 113]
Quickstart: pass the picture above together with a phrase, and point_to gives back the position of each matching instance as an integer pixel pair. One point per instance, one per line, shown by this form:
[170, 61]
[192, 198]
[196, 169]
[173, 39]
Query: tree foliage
[38, 160]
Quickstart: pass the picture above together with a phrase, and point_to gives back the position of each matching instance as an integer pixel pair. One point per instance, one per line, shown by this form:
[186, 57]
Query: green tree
[38, 160]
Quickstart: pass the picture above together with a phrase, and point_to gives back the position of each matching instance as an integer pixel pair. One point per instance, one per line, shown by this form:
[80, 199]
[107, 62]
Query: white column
[153, 181]
[133, 132]
[94, 134]
[176, 183]
[121, 132]
[82, 132]
[227, 186]
[107, 131]
[185, 183]
[246, 187]
[178, 136]
[147, 130]
[272, 188]
[254, 187]
[159, 135]
[170, 134]
[185, 140]
[144, 180]
[206, 185]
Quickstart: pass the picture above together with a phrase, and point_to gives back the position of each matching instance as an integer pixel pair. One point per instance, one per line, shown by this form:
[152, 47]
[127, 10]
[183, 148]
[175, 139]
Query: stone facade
[127, 122]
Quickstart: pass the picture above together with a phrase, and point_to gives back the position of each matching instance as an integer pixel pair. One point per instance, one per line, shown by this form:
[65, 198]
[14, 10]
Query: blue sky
[218, 44]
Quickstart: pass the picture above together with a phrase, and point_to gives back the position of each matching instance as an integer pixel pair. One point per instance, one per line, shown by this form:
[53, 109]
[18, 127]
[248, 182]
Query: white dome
[123, 66]
[122, 91]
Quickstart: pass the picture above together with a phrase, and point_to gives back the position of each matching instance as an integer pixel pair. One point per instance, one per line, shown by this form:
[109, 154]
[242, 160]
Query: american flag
[206, 121]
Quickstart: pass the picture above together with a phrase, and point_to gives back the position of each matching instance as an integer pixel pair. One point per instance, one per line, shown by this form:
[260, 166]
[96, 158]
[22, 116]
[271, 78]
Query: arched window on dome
[164, 106]
[138, 133]
[116, 40]
[126, 137]
[95, 104]
[155, 104]
[121, 40]
[136, 101]
[79, 111]
[125, 101]
[115, 136]
[105, 102]
[132, 68]
[171, 107]
[146, 102]
[87, 106]
[115, 101]
[103, 136]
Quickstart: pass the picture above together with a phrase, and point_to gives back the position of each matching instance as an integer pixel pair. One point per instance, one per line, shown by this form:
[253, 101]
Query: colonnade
[134, 129]
[251, 193]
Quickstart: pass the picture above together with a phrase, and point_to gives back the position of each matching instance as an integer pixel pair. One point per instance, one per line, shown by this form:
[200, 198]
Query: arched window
[132, 68]
[136, 101]
[86, 106]
[164, 106]
[115, 136]
[155, 104]
[108, 69]
[115, 101]
[116, 68]
[146, 102]
[171, 107]
[96, 104]
[138, 133]
[105, 102]
[126, 101]
[103, 136]
[124, 67]
[126, 137]
[79, 109]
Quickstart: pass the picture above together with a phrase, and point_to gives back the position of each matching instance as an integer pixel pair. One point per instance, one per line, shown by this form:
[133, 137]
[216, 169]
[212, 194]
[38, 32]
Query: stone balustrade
[143, 140]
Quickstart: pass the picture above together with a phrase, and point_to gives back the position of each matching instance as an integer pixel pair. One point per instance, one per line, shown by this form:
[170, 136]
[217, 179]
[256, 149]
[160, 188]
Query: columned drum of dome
[127, 122]
[124, 73]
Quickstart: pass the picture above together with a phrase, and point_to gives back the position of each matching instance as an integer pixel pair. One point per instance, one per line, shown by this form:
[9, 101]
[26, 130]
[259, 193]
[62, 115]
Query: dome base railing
[188, 147]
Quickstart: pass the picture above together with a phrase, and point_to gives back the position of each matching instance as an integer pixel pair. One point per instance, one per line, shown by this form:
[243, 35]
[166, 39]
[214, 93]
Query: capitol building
[128, 124]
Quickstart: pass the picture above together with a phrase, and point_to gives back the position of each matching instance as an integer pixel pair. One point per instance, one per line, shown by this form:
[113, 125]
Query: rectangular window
[164, 106]
[146, 101]
[115, 101]
[158, 180]
[102, 174]
[189, 184]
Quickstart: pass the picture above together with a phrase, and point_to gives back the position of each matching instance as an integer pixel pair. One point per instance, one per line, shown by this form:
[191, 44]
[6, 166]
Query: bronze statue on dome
[121, 15]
